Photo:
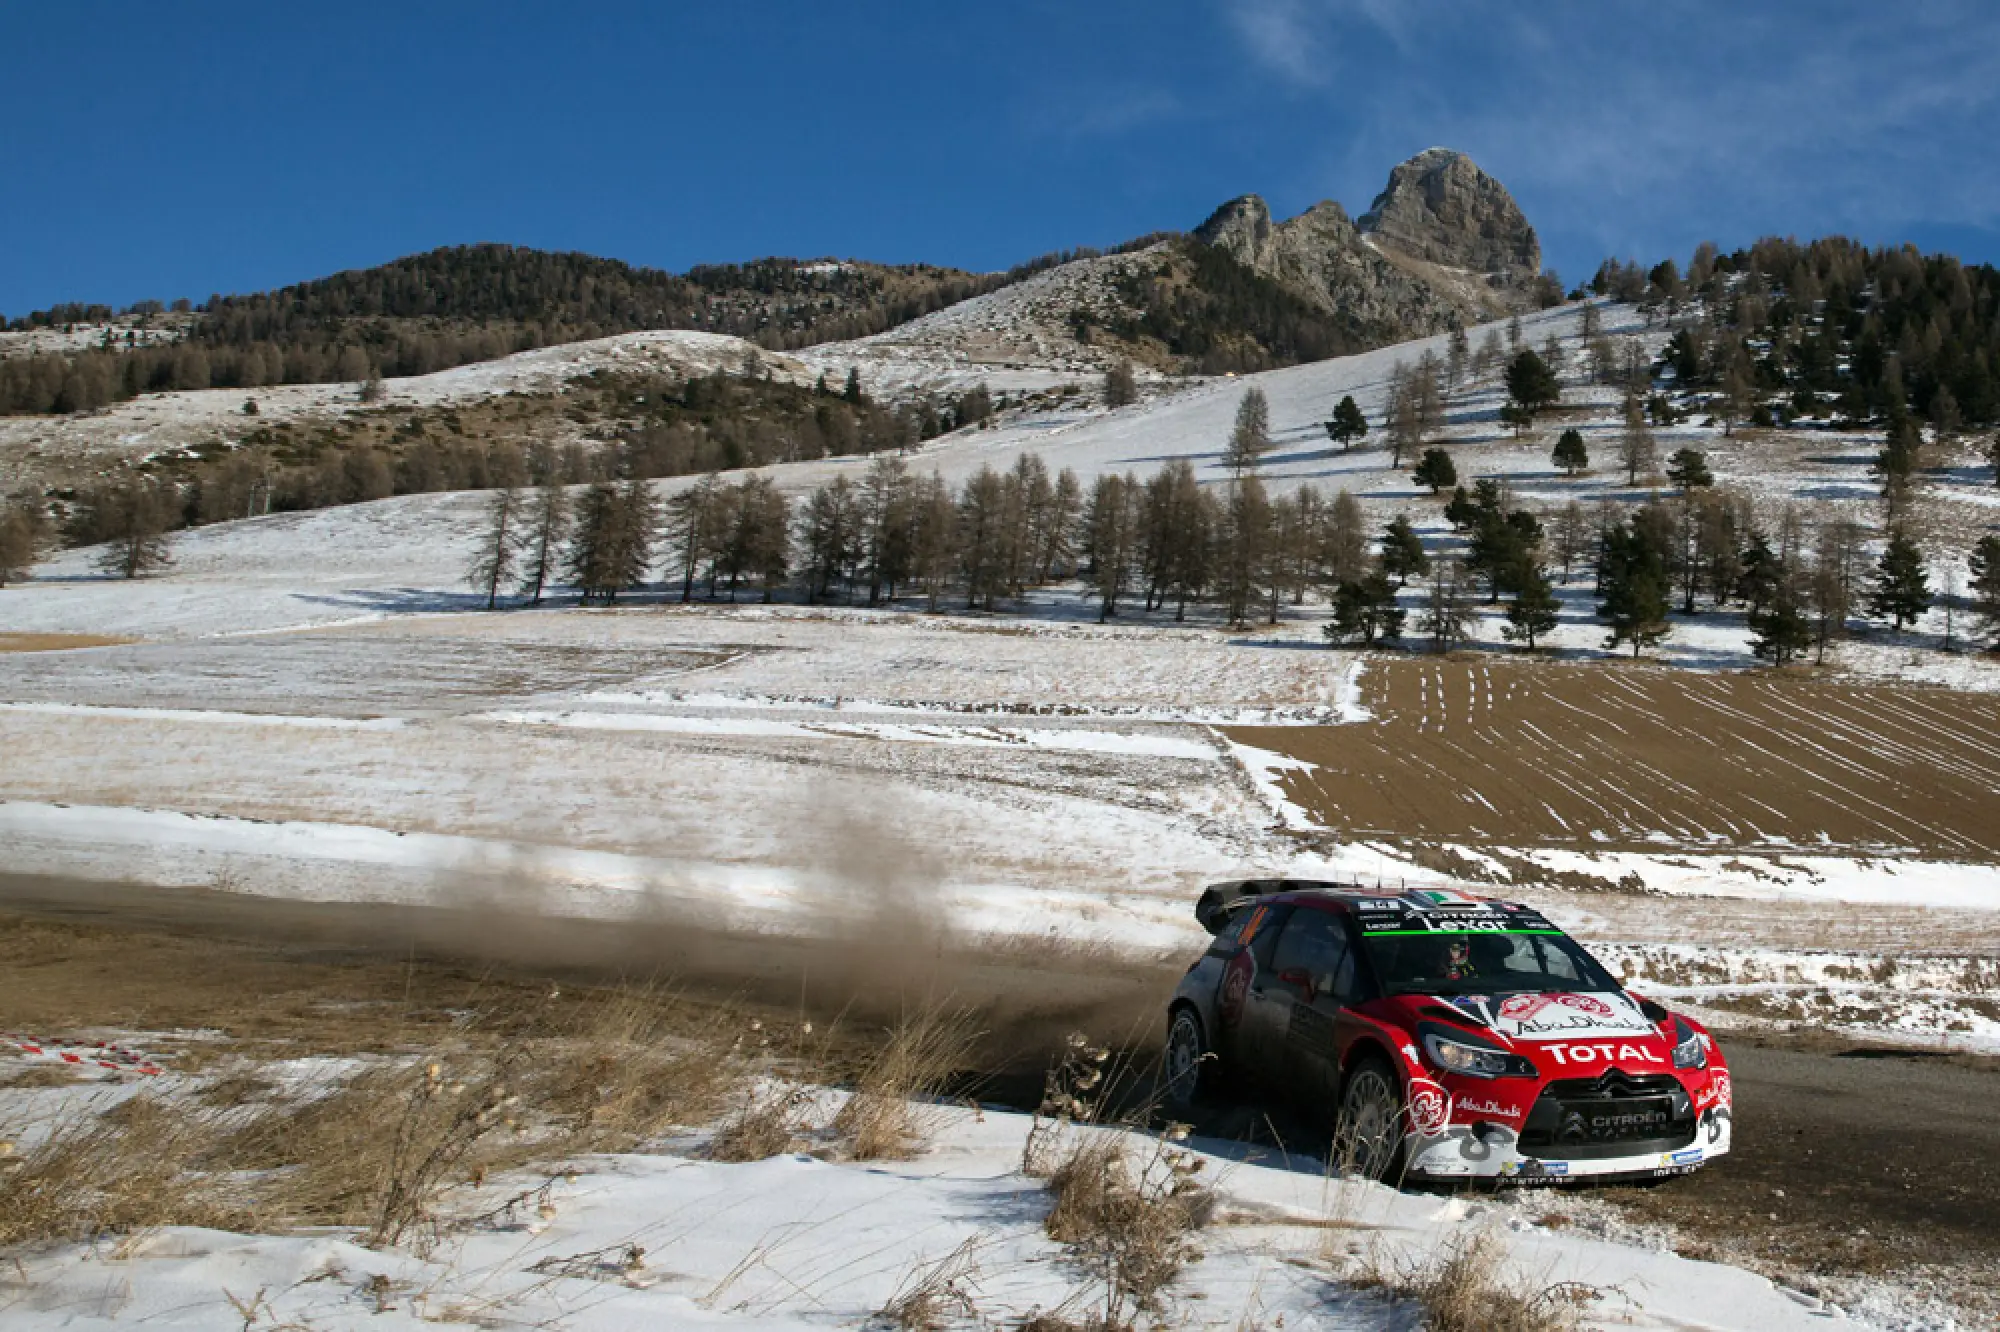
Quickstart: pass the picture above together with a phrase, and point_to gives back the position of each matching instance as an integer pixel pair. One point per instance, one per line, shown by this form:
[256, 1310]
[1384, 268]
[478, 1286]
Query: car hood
[1561, 1016]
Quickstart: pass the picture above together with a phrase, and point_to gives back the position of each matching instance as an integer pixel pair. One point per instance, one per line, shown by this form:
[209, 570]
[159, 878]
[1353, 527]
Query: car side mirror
[1299, 979]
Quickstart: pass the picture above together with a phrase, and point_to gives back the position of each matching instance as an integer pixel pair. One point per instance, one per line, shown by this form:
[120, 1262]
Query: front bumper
[1571, 1130]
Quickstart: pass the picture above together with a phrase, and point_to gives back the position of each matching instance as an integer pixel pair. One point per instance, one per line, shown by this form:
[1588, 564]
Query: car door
[1262, 1008]
[1314, 966]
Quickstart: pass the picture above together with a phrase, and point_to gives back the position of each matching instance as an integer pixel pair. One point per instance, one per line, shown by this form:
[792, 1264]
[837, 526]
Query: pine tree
[1762, 573]
[1297, 521]
[1532, 386]
[696, 524]
[1688, 469]
[983, 538]
[133, 519]
[830, 532]
[853, 392]
[1435, 470]
[1343, 543]
[638, 534]
[1458, 355]
[1250, 438]
[1057, 537]
[591, 557]
[1110, 543]
[1404, 418]
[1781, 633]
[1570, 454]
[1902, 586]
[1449, 606]
[1177, 543]
[1121, 387]
[760, 539]
[1984, 567]
[1244, 546]
[1403, 555]
[547, 524]
[499, 549]
[885, 525]
[934, 554]
[1503, 548]
[1347, 424]
[1895, 465]
[1635, 441]
[1026, 502]
[1533, 612]
[1366, 609]
[1574, 535]
[1635, 587]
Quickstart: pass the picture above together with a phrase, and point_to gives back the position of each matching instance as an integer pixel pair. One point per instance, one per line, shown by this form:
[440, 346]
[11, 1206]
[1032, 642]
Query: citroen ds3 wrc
[1442, 1037]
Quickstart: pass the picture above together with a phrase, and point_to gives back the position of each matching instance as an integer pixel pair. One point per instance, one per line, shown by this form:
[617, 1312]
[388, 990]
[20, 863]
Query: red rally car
[1445, 1036]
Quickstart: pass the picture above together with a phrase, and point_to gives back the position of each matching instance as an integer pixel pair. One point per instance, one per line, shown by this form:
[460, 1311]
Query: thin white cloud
[1102, 114]
[1280, 35]
[1298, 39]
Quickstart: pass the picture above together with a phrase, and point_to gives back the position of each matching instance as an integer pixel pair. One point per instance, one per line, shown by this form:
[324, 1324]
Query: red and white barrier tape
[99, 1054]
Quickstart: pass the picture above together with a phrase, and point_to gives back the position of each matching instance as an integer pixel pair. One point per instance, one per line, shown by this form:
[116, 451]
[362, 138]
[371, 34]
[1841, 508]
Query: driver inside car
[1453, 959]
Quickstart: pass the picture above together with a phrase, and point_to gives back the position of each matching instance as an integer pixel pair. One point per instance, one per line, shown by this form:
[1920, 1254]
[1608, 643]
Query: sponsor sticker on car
[1430, 1107]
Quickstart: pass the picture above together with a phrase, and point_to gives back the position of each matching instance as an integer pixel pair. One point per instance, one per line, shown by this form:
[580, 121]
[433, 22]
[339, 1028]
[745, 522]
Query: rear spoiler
[1219, 901]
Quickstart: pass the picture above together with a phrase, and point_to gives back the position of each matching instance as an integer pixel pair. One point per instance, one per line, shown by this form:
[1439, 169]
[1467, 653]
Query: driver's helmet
[1458, 957]
[1448, 957]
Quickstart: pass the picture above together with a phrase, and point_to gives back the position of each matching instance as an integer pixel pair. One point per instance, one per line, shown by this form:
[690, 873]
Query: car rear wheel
[1187, 1073]
[1368, 1137]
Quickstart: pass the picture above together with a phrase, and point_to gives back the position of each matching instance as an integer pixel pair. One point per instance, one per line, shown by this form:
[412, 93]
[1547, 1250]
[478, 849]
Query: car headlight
[1690, 1051]
[1455, 1054]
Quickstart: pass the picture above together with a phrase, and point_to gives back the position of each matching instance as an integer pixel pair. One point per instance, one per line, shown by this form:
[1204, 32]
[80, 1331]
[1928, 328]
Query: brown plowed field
[1518, 753]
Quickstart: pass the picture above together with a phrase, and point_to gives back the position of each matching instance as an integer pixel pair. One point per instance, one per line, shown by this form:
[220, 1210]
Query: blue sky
[166, 150]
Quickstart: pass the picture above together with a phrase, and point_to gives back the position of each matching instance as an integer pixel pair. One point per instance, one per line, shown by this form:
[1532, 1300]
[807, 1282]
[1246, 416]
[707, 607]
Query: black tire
[1188, 1066]
[1368, 1133]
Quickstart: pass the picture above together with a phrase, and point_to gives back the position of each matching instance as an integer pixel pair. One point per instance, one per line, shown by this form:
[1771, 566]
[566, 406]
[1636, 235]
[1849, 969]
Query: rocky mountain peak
[1240, 228]
[1441, 208]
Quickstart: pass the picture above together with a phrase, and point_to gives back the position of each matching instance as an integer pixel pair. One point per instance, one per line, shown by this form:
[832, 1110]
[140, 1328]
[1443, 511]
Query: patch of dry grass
[768, 1124]
[936, 1296]
[115, 1173]
[625, 1068]
[884, 1119]
[1128, 1217]
[1467, 1288]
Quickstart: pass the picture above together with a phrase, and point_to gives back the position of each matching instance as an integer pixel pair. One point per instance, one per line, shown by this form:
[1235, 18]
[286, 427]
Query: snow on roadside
[799, 1242]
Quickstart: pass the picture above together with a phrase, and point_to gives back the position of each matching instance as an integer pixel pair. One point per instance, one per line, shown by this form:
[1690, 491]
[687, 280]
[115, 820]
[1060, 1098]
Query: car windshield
[1482, 962]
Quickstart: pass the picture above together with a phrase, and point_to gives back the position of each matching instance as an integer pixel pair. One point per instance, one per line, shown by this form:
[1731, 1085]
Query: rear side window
[1315, 942]
[1262, 930]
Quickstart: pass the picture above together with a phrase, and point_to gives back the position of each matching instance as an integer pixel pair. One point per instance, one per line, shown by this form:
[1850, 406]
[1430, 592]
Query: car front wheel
[1368, 1138]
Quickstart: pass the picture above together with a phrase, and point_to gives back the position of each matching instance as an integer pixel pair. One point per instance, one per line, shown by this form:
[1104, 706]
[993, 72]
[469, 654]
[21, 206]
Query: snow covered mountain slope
[69, 449]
